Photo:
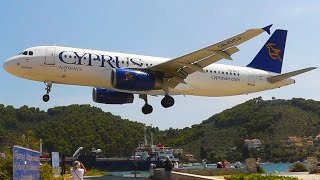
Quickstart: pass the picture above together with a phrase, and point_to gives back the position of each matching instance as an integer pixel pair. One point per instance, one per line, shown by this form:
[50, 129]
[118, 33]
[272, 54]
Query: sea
[277, 167]
[269, 168]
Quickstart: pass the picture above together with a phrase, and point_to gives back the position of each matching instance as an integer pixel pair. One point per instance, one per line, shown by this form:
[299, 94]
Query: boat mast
[145, 135]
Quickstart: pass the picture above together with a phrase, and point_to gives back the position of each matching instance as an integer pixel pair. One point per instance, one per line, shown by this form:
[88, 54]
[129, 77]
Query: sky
[164, 28]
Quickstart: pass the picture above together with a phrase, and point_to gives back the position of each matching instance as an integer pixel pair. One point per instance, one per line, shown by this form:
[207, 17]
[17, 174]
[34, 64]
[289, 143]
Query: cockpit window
[30, 53]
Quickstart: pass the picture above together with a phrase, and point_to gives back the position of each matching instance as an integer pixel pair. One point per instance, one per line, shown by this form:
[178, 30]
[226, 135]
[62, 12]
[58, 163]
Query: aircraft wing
[176, 70]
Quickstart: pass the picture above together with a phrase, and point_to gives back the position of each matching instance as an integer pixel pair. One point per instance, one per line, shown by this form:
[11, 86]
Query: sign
[312, 164]
[56, 164]
[251, 165]
[55, 160]
[26, 164]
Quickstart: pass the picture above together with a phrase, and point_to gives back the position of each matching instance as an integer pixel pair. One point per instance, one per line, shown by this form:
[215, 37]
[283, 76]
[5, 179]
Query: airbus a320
[116, 77]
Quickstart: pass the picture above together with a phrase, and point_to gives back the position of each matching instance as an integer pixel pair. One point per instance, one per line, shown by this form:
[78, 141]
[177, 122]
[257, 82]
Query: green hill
[222, 135]
[66, 128]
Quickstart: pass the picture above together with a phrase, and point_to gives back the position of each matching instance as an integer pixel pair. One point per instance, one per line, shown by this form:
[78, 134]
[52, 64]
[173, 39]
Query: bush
[46, 172]
[6, 171]
[95, 172]
[258, 177]
[298, 167]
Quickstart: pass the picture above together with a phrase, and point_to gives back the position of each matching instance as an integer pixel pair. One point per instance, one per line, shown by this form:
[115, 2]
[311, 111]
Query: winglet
[267, 28]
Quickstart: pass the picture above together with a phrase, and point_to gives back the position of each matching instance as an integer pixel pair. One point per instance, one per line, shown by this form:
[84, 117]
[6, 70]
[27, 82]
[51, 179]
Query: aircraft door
[49, 56]
[251, 80]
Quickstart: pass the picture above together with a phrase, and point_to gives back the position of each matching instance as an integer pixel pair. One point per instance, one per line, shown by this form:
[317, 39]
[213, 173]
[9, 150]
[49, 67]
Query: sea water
[267, 167]
[129, 174]
[277, 167]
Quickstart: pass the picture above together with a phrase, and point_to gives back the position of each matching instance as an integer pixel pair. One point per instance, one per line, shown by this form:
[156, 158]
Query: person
[151, 169]
[77, 171]
[168, 168]
[224, 163]
[219, 164]
[176, 165]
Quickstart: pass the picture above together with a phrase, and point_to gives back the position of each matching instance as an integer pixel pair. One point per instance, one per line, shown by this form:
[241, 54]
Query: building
[252, 143]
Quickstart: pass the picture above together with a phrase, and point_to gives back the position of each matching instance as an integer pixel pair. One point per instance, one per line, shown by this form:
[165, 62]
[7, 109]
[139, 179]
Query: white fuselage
[93, 68]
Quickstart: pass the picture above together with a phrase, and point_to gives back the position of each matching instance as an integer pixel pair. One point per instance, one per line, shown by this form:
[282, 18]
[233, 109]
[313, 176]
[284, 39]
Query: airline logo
[274, 53]
[129, 76]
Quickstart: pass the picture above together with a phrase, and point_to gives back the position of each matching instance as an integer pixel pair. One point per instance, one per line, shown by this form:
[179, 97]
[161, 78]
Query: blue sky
[159, 28]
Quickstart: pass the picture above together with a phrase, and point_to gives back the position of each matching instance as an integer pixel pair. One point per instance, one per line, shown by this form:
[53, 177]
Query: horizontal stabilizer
[281, 77]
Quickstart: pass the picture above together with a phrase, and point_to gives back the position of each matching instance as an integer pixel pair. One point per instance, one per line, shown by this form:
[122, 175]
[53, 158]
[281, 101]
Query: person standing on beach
[77, 171]
[168, 168]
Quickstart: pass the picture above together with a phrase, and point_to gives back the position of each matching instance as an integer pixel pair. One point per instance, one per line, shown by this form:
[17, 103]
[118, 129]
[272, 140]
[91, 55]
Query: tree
[203, 153]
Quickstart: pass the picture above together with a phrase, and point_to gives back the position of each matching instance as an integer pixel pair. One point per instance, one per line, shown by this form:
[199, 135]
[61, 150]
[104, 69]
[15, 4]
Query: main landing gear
[46, 97]
[166, 102]
[147, 108]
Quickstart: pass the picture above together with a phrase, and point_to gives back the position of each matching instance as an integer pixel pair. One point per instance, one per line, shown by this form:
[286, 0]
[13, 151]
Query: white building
[252, 143]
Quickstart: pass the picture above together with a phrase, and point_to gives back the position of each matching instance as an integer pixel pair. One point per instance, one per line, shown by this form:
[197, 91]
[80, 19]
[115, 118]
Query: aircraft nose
[5, 66]
[9, 66]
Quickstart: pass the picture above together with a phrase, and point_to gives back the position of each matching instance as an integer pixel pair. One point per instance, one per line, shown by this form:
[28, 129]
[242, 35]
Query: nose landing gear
[46, 97]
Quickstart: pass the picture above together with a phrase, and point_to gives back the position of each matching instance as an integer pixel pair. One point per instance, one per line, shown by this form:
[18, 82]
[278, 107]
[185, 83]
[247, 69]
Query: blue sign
[26, 164]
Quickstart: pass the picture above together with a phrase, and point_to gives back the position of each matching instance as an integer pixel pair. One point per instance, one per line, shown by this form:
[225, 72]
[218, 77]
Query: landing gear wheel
[167, 101]
[46, 97]
[147, 109]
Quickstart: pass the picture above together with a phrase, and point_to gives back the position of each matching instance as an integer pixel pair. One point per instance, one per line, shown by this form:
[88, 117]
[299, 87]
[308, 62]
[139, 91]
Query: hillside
[66, 128]
[270, 121]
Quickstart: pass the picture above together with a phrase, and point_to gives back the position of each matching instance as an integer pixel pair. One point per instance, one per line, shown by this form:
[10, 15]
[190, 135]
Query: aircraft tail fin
[270, 57]
[274, 79]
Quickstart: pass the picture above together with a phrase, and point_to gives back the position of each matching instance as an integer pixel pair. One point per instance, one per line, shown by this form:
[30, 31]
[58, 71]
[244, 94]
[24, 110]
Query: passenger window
[222, 72]
[210, 71]
[215, 71]
[227, 73]
[30, 53]
[25, 53]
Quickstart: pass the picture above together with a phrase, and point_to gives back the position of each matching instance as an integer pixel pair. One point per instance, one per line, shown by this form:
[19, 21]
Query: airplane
[116, 77]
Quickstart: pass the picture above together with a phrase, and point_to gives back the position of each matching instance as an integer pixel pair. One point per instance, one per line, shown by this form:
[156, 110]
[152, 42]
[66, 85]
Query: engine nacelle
[106, 96]
[135, 80]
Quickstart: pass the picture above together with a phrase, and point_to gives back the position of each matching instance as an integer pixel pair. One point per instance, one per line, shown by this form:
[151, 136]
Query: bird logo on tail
[274, 53]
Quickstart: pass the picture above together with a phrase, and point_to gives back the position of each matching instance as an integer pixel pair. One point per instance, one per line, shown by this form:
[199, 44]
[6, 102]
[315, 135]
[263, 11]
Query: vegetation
[298, 167]
[6, 167]
[283, 126]
[46, 172]
[258, 177]
[95, 172]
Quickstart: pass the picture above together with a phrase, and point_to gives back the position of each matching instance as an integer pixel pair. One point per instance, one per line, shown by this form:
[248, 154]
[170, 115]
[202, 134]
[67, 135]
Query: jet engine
[106, 96]
[135, 80]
